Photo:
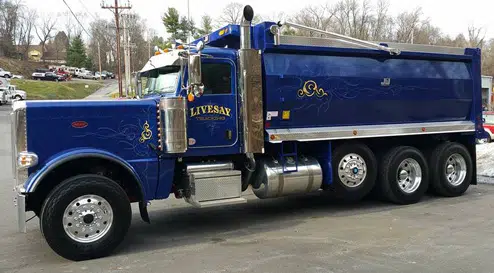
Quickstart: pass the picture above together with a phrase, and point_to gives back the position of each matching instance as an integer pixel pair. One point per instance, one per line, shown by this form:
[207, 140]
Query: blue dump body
[325, 90]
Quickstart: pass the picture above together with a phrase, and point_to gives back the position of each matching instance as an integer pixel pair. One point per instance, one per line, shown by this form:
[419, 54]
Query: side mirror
[195, 76]
[138, 84]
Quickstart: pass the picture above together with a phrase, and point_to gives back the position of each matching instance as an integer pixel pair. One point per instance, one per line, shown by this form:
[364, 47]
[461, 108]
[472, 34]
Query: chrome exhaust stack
[250, 88]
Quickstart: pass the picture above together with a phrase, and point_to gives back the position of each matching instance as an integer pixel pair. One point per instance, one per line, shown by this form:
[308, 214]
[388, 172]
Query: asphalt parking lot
[302, 234]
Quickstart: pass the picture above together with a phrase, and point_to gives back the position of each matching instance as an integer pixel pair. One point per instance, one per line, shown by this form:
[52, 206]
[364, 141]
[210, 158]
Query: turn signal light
[26, 160]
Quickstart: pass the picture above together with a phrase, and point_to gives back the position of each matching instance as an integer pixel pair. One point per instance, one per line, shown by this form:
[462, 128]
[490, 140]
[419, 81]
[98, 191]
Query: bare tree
[25, 31]
[9, 19]
[232, 14]
[406, 23]
[476, 37]
[314, 16]
[45, 31]
[381, 23]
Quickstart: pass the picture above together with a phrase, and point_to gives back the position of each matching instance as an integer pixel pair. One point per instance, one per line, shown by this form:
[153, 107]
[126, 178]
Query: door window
[217, 78]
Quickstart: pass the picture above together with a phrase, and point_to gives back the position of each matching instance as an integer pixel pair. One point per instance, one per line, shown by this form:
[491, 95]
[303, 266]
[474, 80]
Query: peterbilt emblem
[79, 124]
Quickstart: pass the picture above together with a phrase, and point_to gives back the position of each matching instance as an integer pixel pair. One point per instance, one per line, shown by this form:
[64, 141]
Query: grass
[45, 90]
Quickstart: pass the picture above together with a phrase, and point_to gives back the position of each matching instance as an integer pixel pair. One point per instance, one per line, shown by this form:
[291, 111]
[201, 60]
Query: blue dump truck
[249, 109]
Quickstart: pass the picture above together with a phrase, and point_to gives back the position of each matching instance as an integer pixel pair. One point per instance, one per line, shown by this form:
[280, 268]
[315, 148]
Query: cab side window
[217, 78]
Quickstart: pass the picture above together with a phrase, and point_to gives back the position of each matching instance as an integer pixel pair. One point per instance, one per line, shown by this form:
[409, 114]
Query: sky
[452, 16]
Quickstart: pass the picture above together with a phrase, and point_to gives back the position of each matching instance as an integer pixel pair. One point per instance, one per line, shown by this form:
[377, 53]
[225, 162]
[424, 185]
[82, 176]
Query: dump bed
[307, 84]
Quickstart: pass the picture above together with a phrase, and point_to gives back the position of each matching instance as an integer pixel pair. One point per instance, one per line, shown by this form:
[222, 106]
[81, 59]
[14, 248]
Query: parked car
[109, 75]
[17, 94]
[20, 77]
[39, 74]
[488, 125]
[97, 76]
[5, 74]
[50, 76]
[88, 75]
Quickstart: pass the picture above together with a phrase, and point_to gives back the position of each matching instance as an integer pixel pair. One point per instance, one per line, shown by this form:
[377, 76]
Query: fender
[66, 156]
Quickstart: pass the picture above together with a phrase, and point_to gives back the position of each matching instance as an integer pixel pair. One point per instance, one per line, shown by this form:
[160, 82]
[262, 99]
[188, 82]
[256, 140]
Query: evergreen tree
[76, 55]
[178, 27]
[206, 25]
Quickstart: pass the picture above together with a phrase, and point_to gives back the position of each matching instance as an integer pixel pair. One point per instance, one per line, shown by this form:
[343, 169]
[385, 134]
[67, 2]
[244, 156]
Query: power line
[77, 19]
[87, 10]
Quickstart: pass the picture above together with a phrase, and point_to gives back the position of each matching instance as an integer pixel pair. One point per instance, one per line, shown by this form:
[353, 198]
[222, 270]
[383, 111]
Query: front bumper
[20, 203]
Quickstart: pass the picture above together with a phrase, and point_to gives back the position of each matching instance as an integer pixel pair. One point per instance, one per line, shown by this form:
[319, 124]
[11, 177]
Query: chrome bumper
[20, 203]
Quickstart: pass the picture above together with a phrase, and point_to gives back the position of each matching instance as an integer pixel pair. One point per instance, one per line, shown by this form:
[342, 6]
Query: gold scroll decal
[310, 89]
[146, 133]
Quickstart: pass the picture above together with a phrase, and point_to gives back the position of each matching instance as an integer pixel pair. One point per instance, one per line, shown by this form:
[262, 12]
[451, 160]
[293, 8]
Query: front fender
[66, 156]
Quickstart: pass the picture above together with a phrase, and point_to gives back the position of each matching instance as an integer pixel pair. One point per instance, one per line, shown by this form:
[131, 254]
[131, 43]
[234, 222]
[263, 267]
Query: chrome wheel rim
[87, 218]
[455, 169]
[352, 170]
[409, 175]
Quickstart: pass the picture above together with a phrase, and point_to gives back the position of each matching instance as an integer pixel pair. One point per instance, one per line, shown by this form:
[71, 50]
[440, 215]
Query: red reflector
[267, 125]
[79, 124]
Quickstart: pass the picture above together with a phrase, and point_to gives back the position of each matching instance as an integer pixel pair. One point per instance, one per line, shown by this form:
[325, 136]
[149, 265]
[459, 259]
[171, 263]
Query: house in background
[54, 51]
[32, 53]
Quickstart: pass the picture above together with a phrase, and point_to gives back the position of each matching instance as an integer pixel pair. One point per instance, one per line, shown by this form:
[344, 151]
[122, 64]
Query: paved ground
[103, 93]
[305, 234]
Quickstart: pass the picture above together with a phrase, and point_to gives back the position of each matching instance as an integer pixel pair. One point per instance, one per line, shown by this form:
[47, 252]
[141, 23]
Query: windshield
[164, 80]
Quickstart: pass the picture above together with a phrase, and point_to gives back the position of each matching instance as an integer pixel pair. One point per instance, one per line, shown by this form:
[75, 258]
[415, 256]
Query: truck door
[212, 119]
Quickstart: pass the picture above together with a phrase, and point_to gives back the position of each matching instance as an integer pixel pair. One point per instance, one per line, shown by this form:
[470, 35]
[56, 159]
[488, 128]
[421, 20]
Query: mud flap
[144, 212]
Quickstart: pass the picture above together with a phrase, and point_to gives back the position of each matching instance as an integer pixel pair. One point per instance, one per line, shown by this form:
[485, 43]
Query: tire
[354, 172]
[7, 76]
[410, 163]
[447, 157]
[70, 195]
[18, 97]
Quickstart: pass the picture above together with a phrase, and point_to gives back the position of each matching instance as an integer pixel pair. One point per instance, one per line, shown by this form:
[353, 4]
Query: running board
[215, 203]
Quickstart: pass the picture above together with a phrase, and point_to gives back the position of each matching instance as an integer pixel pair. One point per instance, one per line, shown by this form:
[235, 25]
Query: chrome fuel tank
[275, 183]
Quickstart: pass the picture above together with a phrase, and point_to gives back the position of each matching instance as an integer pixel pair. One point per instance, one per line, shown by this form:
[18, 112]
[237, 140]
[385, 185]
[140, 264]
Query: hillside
[44, 90]
[19, 67]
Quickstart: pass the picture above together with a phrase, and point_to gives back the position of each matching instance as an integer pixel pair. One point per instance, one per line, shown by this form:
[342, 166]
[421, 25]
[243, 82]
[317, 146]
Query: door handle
[229, 134]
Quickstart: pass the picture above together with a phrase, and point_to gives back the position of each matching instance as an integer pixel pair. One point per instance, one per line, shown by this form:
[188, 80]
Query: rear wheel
[354, 172]
[452, 169]
[85, 217]
[403, 175]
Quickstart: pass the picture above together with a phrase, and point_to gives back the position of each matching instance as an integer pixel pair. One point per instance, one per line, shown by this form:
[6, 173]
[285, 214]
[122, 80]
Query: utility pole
[115, 10]
[99, 60]
[127, 50]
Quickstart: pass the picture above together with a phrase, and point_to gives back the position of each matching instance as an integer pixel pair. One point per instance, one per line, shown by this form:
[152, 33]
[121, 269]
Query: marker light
[26, 160]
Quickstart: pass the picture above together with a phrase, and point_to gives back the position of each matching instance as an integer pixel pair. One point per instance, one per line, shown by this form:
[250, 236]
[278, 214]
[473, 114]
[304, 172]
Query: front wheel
[85, 217]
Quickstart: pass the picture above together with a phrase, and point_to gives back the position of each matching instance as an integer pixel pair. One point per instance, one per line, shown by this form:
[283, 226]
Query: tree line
[21, 26]
[362, 19]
